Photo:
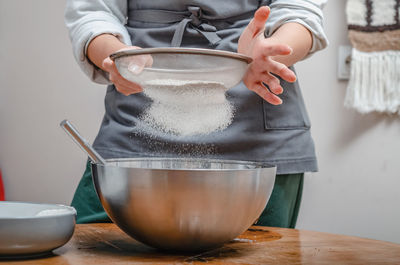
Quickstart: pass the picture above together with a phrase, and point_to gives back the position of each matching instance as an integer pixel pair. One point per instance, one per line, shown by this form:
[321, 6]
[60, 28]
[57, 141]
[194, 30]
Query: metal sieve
[181, 64]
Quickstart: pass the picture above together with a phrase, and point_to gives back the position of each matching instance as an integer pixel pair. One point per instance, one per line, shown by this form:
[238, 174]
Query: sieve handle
[83, 144]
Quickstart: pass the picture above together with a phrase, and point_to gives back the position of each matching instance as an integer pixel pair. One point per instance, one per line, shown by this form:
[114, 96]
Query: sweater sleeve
[305, 12]
[87, 19]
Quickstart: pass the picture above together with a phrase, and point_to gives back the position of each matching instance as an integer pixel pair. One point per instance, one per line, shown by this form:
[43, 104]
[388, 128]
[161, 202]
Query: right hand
[123, 85]
[263, 50]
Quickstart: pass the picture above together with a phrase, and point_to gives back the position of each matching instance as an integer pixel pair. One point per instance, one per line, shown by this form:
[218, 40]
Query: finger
[263, 92]
[253, 76]
[137, 65]
[107, 64]
[281, 70]
[111, 68]
[139, 62]
[123, 90]
[129, 86]
[257, 24]
[127, 90]
[149, 61]
[272, 82]
[116, 77]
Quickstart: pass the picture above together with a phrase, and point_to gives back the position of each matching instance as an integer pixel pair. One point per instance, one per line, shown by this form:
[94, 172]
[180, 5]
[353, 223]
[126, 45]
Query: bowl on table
[33, 229]
[183, 204]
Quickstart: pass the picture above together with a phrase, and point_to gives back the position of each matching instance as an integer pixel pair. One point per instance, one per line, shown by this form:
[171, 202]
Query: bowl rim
[177, 50]
[71, 211]
[258, 165]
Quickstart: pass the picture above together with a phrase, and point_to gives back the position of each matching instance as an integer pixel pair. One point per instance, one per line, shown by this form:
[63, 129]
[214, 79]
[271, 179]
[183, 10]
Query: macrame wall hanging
[374, 32]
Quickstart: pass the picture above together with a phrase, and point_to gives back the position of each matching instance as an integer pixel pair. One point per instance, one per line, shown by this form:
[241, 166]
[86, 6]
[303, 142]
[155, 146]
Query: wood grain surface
[106, 244]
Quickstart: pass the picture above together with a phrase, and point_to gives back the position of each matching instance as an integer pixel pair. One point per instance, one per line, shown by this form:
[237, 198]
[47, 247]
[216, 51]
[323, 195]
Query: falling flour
[187, 107]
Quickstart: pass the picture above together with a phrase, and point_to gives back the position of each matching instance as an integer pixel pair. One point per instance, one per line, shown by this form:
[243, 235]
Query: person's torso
[259, 131]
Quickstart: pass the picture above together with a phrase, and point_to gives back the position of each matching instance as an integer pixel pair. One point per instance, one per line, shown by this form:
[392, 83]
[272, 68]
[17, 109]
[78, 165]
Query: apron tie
[193, 17]
[195, 20]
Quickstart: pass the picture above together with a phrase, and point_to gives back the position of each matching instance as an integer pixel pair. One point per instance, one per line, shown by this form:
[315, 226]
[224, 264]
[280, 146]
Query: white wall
[355, 192]
[41, 85]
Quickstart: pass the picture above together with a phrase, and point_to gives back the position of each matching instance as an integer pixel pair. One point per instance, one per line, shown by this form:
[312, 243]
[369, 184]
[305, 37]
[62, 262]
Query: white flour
[187, 107]
[50, 212]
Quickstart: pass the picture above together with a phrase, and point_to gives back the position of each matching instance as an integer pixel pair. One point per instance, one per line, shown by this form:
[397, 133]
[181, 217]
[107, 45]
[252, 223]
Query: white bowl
[31, 229]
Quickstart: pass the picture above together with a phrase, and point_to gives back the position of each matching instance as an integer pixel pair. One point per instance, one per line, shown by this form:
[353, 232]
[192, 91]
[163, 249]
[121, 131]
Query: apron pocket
[291, 114]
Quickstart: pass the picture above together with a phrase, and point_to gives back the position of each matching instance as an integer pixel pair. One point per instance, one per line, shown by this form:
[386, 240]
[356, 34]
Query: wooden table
[107, 244]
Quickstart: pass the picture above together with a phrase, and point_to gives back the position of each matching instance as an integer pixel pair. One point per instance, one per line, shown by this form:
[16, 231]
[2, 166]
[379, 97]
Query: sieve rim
[227, 54]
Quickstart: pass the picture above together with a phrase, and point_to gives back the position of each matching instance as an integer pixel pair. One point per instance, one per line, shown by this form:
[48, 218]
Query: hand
[262, 50]
[135, 65]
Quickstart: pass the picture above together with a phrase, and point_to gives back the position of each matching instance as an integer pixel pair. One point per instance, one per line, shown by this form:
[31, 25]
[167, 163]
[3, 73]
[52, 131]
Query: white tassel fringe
[374, 82]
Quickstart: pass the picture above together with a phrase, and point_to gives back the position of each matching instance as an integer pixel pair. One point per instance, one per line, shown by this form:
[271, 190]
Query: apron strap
[193, 17]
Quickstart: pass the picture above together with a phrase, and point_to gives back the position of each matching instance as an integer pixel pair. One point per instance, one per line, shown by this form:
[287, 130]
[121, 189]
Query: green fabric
[281, 211]
[86, 202]
[284, 204]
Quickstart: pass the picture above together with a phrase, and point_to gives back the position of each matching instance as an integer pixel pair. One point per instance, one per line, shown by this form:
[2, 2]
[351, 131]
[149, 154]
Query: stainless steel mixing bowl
[183, 204]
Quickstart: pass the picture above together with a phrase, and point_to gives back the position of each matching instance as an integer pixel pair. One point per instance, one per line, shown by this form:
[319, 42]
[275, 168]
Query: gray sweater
[87, 19]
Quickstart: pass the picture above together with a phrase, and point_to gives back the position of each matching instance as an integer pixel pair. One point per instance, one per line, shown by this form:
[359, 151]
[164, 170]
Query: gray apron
[260, 131]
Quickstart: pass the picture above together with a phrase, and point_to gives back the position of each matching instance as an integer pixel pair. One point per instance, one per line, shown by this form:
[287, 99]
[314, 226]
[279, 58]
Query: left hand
[136, 65]
[262, 50]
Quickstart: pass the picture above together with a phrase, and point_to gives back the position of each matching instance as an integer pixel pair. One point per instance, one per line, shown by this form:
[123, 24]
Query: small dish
[32, 229]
